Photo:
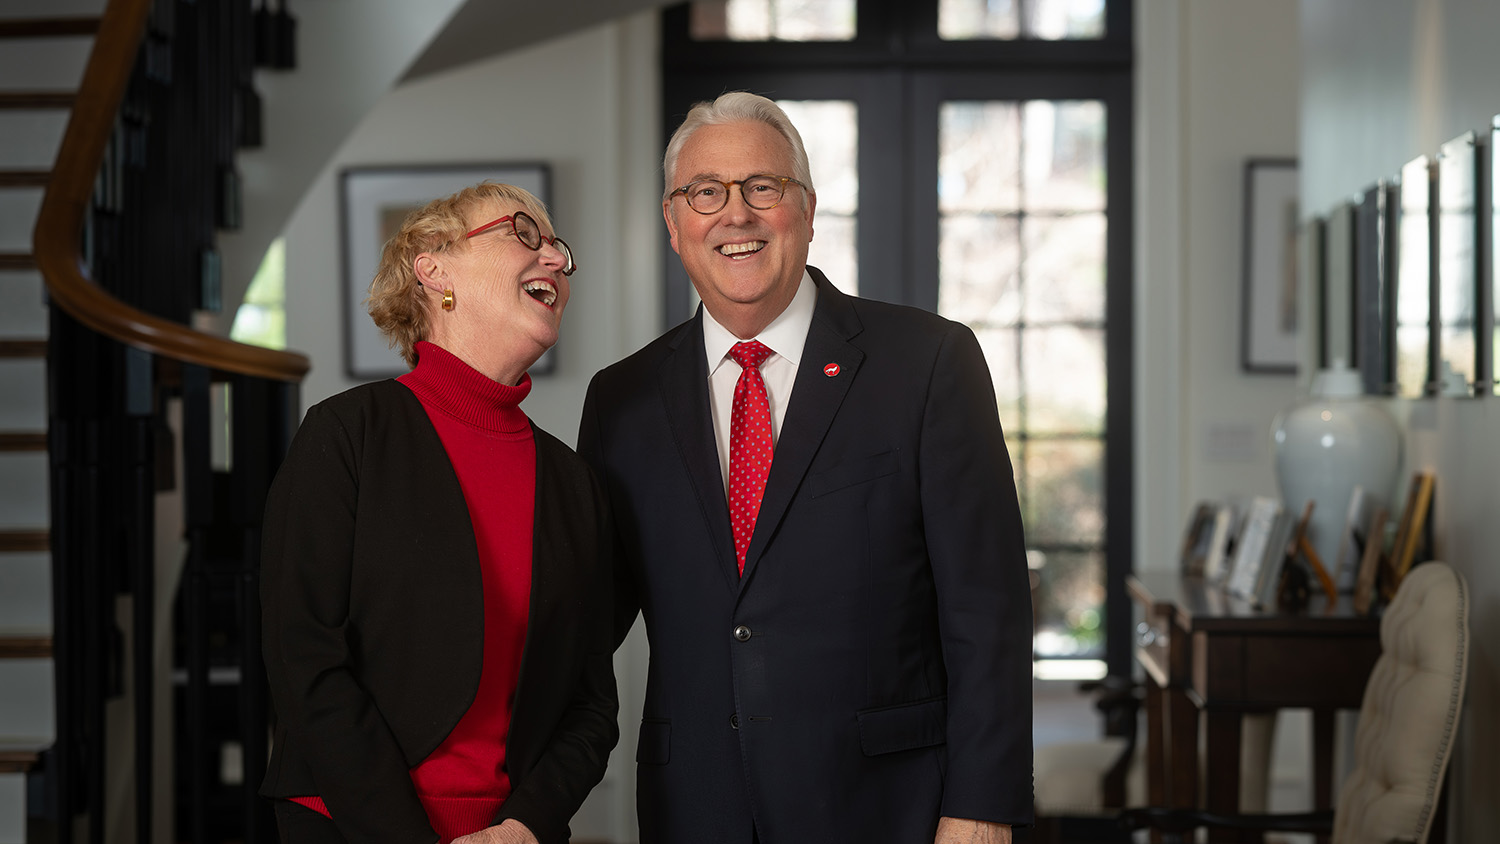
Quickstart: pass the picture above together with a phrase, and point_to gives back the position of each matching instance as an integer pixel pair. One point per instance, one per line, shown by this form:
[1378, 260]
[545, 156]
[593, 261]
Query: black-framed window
[1005, 202]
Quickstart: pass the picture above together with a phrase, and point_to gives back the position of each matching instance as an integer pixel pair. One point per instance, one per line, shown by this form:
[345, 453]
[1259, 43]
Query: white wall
[1217, 83]
[588, 104]
[1386, 81]
[349, 54]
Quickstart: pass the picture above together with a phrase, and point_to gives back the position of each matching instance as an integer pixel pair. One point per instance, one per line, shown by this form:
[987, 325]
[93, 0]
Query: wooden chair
[1082, 786]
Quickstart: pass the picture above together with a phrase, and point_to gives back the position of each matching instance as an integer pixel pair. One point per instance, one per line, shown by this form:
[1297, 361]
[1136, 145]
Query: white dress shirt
[785, 337]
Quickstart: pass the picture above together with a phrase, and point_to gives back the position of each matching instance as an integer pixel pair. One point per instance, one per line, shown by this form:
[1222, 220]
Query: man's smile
[739, 250]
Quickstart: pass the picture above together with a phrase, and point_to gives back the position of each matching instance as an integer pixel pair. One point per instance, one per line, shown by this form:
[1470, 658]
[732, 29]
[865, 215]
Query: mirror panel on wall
[1312, 235]
[1336, 292]
[1456, 306]
[1492, 371]
[1374, 350]
[1413, 294]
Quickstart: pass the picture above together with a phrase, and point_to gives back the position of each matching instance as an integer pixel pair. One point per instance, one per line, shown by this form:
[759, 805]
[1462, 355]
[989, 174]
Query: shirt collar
[786, 335]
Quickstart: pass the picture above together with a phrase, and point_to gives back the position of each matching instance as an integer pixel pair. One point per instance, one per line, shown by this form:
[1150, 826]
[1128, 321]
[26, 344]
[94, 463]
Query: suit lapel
[684, 393]
[815, 401]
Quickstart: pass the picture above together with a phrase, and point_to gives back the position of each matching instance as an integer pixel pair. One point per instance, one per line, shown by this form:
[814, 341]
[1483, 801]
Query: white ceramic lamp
[1325, 447]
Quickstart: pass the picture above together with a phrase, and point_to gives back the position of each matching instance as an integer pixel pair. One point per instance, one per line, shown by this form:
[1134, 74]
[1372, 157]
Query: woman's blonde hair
[397, 302]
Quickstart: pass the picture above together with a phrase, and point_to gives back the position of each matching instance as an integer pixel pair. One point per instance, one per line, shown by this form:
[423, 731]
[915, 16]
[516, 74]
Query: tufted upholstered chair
[1407, 723]
[1409, 715]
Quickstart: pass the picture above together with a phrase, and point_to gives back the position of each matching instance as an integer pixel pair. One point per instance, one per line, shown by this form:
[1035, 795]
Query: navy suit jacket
[871, 671]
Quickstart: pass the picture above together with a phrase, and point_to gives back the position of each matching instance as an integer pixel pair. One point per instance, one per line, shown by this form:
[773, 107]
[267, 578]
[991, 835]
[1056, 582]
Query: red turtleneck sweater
[489, 442]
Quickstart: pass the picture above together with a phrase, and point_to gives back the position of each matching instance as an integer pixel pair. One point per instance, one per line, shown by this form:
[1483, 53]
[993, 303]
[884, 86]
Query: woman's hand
[511, 831]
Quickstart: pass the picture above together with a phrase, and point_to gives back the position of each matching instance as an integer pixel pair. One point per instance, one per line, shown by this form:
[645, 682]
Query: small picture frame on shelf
[1370, 564]
[1411, 530]
[1352, 540]
[1250, 548]
[1197, 540]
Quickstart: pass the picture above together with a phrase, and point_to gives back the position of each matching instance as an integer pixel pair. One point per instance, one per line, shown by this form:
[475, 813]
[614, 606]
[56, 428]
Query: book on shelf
[1195, 540]
[1216, 564]
[1352, 541]
[1409, 535]
[1369, 564]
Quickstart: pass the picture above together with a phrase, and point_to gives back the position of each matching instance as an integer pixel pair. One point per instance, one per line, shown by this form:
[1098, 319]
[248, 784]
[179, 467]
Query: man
[820, 529]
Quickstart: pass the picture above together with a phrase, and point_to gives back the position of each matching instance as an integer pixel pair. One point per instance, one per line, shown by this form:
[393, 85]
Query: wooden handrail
[57, 240]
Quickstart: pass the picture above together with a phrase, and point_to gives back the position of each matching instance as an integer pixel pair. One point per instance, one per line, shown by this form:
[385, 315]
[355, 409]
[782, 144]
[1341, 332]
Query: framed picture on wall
[373, 202]
[1312, 271]
[1336, 296]
[1269, 318]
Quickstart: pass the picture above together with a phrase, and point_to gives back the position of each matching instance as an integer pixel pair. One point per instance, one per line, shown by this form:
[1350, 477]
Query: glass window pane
[979, 156]
[773, 20]
[1063, 149]
[261, 318]
[1057, 20]
[964, 20]
[1070, 603]
[834, 157]
[978, 269]
[833, 250]
[834, 161]
[1064, 269]
[1064, 502]
[1411, 359]
[1050, 20]
[1000, 346]
[1062, 368]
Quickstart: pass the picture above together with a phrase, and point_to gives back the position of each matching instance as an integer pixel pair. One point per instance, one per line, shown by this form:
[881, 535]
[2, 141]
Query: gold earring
[448, 300]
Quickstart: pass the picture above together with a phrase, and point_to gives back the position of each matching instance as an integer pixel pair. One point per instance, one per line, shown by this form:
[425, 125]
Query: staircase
[109, 199]
[43, 46]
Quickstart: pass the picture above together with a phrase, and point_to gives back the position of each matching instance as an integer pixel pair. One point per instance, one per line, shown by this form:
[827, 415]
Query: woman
[435, 588]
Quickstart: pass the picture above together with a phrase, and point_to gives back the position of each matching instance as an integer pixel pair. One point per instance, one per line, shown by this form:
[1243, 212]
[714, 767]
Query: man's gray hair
[736, 107]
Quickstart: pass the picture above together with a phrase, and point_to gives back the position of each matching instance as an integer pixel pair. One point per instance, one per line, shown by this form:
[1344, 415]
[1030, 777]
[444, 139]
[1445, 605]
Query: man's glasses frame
[765, 192]
[524, 227]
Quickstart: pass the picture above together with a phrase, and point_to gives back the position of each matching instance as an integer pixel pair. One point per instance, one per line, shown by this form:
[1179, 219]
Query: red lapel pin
[831, 370]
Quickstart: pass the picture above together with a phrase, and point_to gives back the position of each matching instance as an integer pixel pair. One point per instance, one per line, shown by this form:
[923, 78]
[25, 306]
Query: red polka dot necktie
[749, 444]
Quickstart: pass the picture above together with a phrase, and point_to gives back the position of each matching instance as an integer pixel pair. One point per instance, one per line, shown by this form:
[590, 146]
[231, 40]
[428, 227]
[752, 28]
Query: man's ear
[666, 214]
[812, 205]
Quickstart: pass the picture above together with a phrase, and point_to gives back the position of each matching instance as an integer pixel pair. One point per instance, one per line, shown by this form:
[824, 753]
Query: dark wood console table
[1207, 653]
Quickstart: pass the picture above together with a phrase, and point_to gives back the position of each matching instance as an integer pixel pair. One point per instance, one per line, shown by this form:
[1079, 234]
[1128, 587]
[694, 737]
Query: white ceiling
[481, 29]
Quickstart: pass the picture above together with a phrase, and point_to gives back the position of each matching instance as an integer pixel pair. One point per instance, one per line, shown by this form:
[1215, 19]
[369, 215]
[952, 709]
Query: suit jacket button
[742, 633]
[734, 721]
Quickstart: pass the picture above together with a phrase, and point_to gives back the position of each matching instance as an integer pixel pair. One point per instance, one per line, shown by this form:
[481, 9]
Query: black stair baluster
[198, 514]
[140, 523]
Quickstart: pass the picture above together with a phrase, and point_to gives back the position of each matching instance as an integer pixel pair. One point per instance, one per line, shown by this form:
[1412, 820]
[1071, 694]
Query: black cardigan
[374, 622]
